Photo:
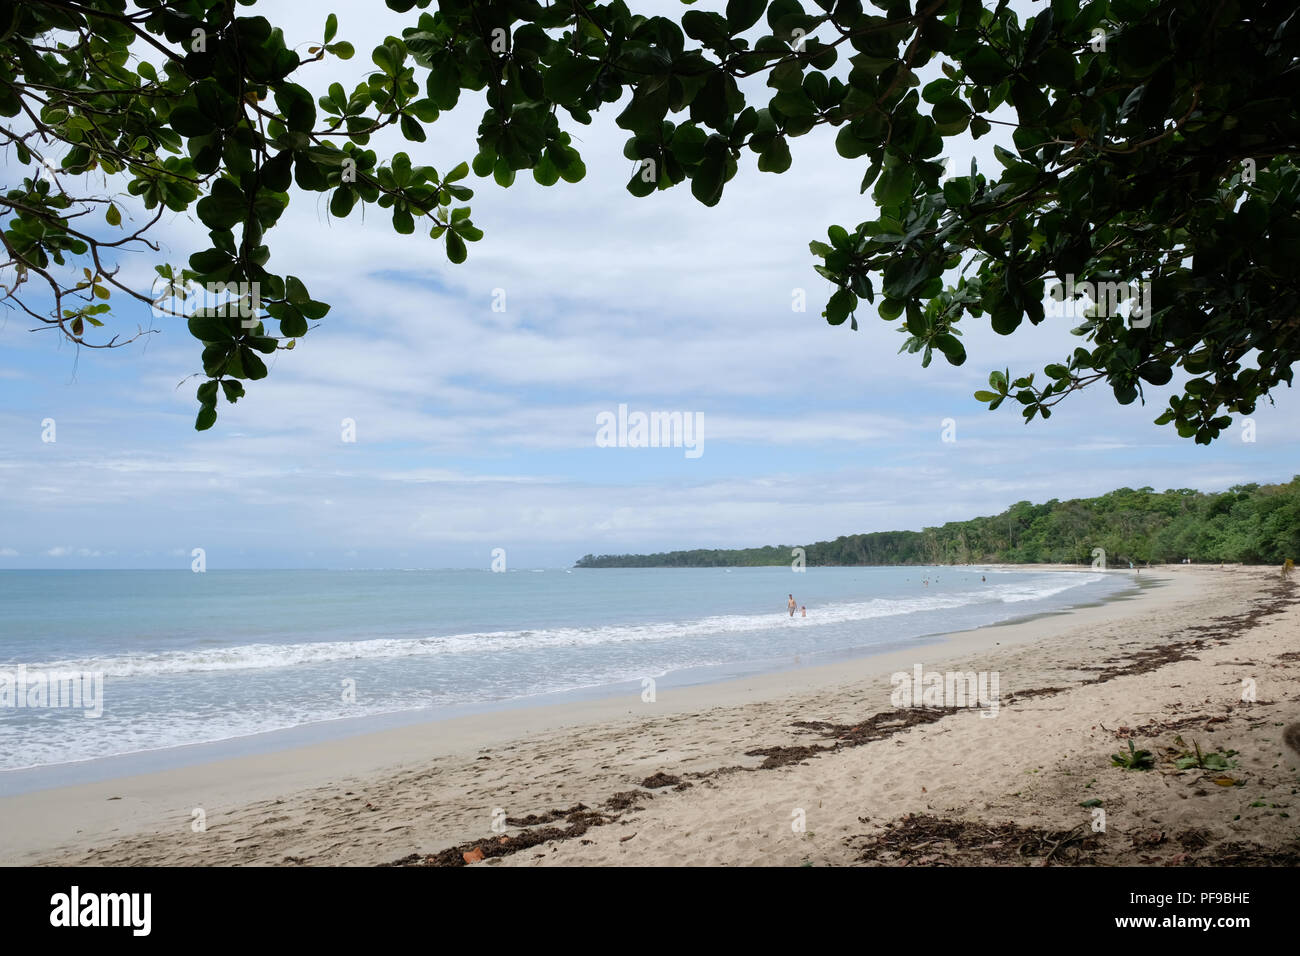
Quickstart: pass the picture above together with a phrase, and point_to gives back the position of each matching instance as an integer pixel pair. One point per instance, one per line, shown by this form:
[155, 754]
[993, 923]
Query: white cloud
[476, 428]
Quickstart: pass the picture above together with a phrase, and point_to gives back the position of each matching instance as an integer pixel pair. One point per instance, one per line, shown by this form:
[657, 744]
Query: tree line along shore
[1247, 524]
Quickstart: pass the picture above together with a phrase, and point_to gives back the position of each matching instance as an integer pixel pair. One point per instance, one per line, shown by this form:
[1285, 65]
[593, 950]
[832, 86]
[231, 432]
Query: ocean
[189, 658]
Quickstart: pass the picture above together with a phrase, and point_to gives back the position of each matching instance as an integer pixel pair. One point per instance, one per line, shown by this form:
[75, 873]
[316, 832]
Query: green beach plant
[1214, 760]
[1134, 759]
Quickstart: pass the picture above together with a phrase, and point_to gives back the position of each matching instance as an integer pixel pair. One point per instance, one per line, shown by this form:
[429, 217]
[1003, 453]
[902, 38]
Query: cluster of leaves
[1152, 144]
[219, 127]
[1254, 524]
[1133, 124]
[1150, 141]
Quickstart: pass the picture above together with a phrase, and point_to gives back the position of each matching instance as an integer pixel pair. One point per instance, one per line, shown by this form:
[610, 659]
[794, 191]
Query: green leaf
[938, 90]
[1056, 68]
[503, 173]
[294, 293]
[189, 122]
[384, 59]
[709, 28]
[425, 110]
[1156, 372]
[570, 164]
[254, 367]
[957, 191]
[743, 14]
[443, 83]
[903, 275]
[1006, 318]
[794, 103]
[688, 143]
[776, 158]
[570, 78]
[412, 129]
[292, 323]
[708, 180]
[951, 110]
[894, 186]
[890, 309]
[984, 65]
[342, 201]
[224, 206]
[456, 251]
[951, 348]
[545, 172]
[297, 106]
[840, 305]
[848, 145]
[211, 262]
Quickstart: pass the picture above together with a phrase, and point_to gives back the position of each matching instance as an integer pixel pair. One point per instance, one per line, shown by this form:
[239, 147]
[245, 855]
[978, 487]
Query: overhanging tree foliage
[1146, 142]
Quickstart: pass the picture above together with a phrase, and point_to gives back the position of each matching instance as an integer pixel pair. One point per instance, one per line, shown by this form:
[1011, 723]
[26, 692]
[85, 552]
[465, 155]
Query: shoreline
[21, 780]
[61, 823]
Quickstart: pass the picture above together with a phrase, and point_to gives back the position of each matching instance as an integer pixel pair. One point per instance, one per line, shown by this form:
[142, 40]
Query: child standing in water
[803, 610]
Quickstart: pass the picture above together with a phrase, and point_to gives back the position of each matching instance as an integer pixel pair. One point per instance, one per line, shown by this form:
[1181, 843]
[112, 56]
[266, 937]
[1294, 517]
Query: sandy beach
[807, 767]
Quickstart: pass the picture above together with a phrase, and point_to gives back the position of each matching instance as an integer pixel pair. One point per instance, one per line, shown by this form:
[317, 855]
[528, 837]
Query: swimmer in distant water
[804, 610]
[982, 578]
[791, 605]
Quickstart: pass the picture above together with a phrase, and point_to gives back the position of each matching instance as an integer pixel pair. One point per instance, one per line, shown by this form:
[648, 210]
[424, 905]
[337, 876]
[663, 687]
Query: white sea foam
[250, 688]
[91, 740]
[263, 656]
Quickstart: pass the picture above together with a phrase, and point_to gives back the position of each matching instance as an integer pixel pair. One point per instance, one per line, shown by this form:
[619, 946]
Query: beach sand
[807, 767]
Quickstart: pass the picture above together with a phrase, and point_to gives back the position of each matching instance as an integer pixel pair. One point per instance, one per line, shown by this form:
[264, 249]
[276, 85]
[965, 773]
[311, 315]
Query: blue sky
[476, 429]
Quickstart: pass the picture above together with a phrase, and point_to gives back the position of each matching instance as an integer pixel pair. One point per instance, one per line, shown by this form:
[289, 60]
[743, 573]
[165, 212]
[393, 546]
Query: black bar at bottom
[463, 908]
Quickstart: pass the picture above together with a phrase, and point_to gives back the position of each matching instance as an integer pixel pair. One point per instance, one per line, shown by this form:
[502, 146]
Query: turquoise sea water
[187, 658]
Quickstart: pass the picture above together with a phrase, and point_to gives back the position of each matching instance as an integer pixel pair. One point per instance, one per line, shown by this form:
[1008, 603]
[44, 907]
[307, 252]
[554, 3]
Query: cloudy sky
[475, 429]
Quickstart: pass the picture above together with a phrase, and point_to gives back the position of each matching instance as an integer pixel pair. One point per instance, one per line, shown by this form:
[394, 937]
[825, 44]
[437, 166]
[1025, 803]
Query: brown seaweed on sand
[926, 840]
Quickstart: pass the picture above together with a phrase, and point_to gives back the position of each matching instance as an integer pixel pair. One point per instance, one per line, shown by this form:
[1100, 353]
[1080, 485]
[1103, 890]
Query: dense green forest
[1253, 524]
